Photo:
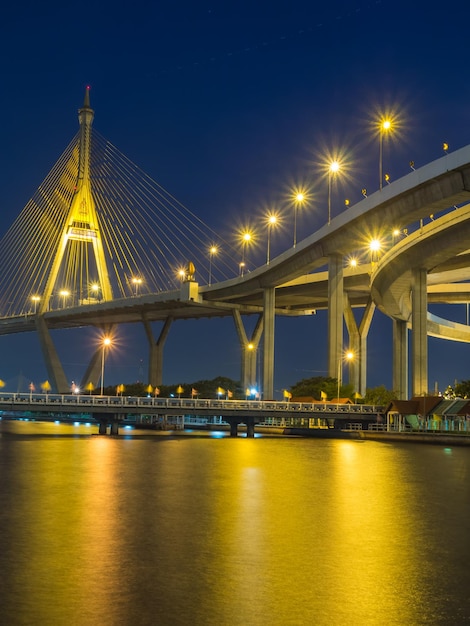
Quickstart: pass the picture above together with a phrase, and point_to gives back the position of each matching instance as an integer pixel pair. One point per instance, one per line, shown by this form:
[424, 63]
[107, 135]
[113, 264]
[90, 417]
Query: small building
[405, 414]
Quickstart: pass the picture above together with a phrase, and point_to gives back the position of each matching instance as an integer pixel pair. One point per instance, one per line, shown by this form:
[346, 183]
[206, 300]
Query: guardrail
[89, 401]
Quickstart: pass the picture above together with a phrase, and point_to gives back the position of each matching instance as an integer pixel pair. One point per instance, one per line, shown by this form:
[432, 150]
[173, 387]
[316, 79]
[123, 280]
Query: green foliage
[315, 386]
[379, 395]
[462, 389]
[204, 388]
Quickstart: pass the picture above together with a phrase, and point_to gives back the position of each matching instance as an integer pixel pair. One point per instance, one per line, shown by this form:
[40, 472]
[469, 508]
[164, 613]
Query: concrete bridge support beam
[114, 426]
[250, 427]
[102, 424]
[354, 344]
[364, 328]
[419, 339]
[268, 344]
[335, 313]
[233, 428]
[249, 351]
[155, 371]
[54, 367]
[400, 359]
[358, 343]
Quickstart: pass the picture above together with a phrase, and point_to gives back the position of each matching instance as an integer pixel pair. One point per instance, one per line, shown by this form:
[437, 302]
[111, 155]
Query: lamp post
[212, 250]
[349, 356]
[332, 171]
[35, 299]
[246, 238]
[385, 126]
[298, 200]
[95, 288]
[374, 248]
[106, 343]
[64, 294]
[137, 281]
[272, 220]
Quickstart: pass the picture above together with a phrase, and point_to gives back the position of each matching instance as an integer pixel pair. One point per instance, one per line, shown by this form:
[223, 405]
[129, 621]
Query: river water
[203, 530]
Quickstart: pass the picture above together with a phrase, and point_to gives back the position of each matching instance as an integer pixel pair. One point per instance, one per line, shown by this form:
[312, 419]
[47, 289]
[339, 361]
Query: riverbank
[436, 438]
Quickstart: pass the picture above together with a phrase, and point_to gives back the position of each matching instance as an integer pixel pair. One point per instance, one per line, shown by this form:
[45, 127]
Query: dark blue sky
[226, 105]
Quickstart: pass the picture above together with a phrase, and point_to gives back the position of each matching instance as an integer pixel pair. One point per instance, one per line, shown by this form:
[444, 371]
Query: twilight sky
[227, 105]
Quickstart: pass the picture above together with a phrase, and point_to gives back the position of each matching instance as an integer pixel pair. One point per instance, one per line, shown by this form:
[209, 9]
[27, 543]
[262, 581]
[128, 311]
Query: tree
[380, 396]
[314, 387]
[462, 389]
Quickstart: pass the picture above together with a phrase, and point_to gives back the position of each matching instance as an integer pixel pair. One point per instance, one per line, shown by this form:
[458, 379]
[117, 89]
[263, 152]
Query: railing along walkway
[88, 402]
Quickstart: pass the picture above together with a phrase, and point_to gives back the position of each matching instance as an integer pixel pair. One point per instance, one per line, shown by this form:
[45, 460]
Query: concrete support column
[102, 423]
[249, 351]
[155, 370]
[400, 359]
[233, 428]
[114, 426]
[55, 371]
[419, 338]
[268, 344]
[335, 313]
[364, 328]
[354, 344]
[250, 427]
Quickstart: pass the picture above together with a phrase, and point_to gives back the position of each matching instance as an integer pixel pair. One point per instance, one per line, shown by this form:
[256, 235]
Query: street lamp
[299, 198]
[246, 238]
[64, 294]
[212, 250]
[35, 299]
[348, 357]
[106, 344]
[333, 169]
[385, 127]
[95, 288]
[272, 220]
[137, 281]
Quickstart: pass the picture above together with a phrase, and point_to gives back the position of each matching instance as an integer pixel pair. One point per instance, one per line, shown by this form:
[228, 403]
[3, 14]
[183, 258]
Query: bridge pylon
[81, 236]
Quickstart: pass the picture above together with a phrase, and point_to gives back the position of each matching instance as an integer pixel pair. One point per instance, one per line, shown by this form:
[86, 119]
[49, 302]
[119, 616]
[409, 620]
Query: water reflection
[191, 529]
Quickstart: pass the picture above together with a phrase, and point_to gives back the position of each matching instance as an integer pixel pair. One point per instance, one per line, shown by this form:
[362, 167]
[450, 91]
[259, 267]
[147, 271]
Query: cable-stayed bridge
[100, 243]
[99, 229]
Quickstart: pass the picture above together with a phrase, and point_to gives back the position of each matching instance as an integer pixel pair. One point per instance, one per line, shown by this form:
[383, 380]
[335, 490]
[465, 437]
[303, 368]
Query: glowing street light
[272, 221]
[212, 250]
[375, 245]
[348, 357]
[246, 239]
[137, 281]
[64, 295]
[106, 343]
[333, 169]
[95, 288]
[35, 300]
[385, 127]
[299, 199]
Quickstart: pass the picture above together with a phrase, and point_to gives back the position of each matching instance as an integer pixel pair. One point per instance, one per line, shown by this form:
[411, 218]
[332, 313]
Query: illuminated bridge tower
[79, 263]
[81, 230]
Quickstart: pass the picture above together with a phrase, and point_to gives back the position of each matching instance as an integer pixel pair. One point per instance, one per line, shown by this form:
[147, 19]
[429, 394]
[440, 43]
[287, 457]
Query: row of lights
[385, 126]
[95, 288]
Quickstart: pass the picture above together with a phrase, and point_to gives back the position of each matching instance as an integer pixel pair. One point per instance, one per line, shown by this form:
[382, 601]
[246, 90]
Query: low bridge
[114, 411]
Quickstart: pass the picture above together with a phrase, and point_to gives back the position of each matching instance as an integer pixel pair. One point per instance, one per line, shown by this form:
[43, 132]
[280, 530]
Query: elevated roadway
[312, 275]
